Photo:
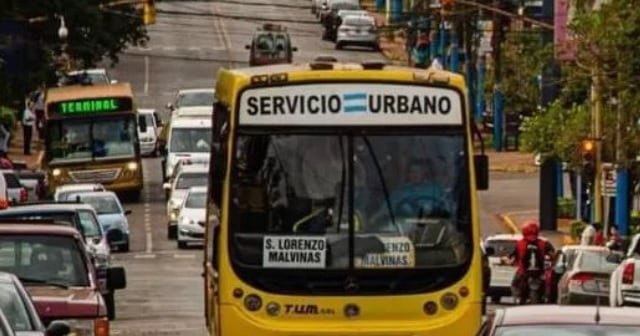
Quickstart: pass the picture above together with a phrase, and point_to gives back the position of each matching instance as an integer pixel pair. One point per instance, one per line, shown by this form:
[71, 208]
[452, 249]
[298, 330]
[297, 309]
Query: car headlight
[132, 165]
[56, 172]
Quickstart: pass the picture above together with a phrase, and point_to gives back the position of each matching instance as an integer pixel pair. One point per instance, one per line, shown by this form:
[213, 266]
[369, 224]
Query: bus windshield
[95, 139]
[349, 202]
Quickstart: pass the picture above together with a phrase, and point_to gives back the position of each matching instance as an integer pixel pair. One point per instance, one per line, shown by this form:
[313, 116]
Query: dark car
[559, 320]
[52, 263]
[19, 310]
[84, 218]
[271, 44]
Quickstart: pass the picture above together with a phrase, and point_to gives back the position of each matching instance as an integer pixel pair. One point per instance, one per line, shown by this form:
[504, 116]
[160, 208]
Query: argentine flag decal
[355, 102]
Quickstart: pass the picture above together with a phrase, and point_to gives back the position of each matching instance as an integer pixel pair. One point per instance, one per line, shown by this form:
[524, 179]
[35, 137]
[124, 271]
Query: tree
[94, 34]
[523, 56]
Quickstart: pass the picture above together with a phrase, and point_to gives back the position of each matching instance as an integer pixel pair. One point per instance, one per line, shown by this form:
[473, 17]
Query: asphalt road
[189, 43]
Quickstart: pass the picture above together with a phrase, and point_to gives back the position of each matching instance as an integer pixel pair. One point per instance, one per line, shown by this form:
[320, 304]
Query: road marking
[144, 256]
[222, 33]
[146, 75]
[169, 48]
[184, 256]
[194, 48]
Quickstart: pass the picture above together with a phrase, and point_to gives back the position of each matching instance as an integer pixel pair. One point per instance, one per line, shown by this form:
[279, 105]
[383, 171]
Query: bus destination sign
[351, 104]
[92, 106]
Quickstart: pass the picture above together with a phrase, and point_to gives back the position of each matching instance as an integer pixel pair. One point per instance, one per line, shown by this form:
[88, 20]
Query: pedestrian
[615, 241]
[39, 110]
[5, 135]
[589, 233]
[28, 119]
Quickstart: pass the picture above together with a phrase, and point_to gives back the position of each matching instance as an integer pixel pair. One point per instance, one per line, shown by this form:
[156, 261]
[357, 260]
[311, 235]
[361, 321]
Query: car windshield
[502, 247]
[595, 261]
[14, 307]
[410, 208]
[190, 140]
[272, 43]
[103, 204]
[12, 180]
[90, 224]
[85, 78]
[91, 139]
[42, 259]
[196, 200]
[567, 330]
[195, 99]
[89, 230]
[188, 180]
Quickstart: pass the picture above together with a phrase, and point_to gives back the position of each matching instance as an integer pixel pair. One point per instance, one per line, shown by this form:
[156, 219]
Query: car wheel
[172, 231]
[495, 299]
[182, 245]
[110, 302]
[125, 247]
[338, 45]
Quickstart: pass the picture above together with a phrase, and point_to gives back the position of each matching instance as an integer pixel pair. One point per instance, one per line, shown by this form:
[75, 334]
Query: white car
[88, 76]
[188, 138]
[191, 217]
[190, 176]
[148, 131]
[192, 102]
[501, 274]
[62, 192]
[624, 285]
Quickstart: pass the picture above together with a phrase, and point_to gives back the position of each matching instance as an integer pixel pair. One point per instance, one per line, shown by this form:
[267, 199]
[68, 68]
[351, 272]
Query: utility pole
[498, 116]
[596, 103]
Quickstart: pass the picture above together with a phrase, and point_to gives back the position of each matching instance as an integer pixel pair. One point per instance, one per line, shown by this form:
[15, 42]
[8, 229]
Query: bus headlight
[252, 302]
[132, 166]
[56, 172]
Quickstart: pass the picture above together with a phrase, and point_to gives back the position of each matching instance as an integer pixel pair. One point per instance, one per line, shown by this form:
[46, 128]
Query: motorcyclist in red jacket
[521, 255]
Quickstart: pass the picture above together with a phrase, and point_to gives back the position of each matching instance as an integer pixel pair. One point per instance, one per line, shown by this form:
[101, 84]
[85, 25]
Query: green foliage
[8, 118]
[566, 207]
[523, 57]
[576, 229]
[608, 42]
[94, 34]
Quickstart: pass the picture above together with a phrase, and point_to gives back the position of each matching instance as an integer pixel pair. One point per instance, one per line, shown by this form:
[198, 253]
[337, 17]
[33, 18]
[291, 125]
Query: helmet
[530, 229]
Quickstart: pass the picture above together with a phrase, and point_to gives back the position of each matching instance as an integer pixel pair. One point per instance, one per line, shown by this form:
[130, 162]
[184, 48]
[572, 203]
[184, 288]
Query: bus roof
[230, 80]
[73, 92]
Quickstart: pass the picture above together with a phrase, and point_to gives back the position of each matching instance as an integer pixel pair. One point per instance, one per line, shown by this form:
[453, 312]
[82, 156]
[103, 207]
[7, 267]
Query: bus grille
[95, 176]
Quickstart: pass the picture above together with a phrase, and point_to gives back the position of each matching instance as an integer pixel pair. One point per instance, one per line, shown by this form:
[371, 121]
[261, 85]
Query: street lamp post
[63, 33]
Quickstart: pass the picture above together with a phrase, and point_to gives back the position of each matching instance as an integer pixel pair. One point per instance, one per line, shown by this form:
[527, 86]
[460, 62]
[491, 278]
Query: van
[148, 131]
[187, 138]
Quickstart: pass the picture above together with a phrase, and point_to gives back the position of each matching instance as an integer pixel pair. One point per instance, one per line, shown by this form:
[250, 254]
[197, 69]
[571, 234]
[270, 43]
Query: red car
[54, 267]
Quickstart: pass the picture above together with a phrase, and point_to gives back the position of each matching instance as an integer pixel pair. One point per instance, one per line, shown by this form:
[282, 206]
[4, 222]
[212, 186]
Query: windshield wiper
[383, 183]
[43, 282]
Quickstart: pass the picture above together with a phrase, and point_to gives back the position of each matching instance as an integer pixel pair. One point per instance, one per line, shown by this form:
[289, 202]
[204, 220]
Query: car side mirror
[481, 165]
[614, 258]
[114, 236]
[294, 49]
[169, 106]
[166, 186]
[116, 278]
[127, 212]
[247, 47]
[58, 328]
[489, 251]
[560, 269]
[113, 81]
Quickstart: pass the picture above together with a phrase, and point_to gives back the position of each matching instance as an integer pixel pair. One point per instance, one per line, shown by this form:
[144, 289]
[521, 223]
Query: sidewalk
[513, 220]
[511, 162]
[16, 151]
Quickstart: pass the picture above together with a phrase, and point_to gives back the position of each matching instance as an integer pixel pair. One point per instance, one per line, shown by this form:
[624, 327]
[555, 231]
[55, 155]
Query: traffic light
[149, 12]
[587, 150]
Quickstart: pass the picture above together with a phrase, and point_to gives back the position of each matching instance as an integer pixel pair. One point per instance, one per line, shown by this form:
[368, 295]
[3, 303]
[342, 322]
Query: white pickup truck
[624, 286]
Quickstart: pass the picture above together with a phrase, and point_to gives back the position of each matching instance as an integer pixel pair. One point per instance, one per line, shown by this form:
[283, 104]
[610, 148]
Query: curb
[508, 223]
[513, 169]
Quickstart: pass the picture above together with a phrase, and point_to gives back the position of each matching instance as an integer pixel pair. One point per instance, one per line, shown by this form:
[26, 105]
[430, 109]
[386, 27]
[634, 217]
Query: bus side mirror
[481, 165]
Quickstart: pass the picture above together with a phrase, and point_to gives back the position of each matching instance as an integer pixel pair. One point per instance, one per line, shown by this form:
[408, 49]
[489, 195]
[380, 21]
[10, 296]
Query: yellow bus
[342, 201]
[92, 137]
